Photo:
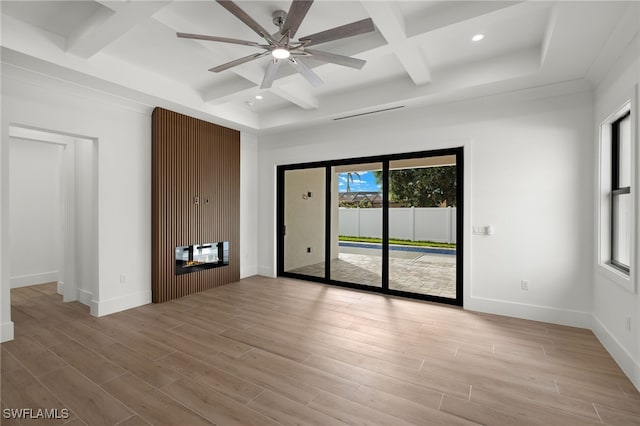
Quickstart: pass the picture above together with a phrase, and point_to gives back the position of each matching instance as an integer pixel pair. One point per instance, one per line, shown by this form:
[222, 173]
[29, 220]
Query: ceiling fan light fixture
[280, 53]
[279, 45]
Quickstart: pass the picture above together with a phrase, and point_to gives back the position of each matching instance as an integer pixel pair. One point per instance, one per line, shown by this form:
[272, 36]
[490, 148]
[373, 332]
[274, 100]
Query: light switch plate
[483, 230]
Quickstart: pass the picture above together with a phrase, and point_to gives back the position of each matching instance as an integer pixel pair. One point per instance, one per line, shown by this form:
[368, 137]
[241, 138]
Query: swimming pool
[395, 247]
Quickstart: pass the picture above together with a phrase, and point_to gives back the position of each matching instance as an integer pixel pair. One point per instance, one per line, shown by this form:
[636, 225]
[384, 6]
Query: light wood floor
[278, 351]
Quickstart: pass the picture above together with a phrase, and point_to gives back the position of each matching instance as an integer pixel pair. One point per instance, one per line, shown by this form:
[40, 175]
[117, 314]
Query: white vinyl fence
[411, 223]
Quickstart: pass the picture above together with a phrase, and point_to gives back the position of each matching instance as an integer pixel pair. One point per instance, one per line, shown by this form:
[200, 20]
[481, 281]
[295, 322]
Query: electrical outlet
[308, 249]
[524, 285]
[628, 323]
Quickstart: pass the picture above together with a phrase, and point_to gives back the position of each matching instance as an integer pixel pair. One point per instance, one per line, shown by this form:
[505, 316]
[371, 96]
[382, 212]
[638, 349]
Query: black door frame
[385, 160]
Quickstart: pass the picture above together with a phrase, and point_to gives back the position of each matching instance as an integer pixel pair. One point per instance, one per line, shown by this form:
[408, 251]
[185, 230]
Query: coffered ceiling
[420, 53]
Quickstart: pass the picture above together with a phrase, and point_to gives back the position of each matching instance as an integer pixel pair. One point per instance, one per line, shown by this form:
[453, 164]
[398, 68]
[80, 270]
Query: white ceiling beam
[548, 34]
[569, 27]
[447, 13]
[618, 41]
[108, 25]
[301, 97]
[390, 22]
[501, 73]
[292, 92]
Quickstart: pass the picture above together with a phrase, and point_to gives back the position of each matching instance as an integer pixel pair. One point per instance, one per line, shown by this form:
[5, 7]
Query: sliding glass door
[387, 224]
[422, 225]
[356, 224]
[304, 221]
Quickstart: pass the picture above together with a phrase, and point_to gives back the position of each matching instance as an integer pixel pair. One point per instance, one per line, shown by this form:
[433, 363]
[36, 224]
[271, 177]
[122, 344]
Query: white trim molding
[630, 366]
[6, 331]
[85, 297]
[34, 279]
[603, 194]
[568, 317]
[117, 304]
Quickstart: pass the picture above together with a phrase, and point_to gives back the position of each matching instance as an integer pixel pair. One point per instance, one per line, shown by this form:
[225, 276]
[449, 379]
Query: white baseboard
[34, 279]
[85, 297]
[266, 271]
[248, 271]
[624, 359]
[117, 304]
[531, 312]
[6, 331]
[60, 288]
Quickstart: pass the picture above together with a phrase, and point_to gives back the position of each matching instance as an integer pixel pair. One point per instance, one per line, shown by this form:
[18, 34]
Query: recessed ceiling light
[258, 97]
[477, 37]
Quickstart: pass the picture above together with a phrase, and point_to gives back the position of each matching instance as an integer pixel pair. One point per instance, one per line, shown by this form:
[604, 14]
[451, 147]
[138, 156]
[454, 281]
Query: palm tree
[350, 178]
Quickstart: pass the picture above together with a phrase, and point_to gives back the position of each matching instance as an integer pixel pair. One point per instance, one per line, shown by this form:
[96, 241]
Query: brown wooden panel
[191, 157]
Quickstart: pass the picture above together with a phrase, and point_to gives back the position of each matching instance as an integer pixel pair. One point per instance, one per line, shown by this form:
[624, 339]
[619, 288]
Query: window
[621, 192]
[616, 194]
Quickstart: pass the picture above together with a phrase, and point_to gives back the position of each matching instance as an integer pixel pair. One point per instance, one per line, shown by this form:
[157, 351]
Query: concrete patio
[415, 272]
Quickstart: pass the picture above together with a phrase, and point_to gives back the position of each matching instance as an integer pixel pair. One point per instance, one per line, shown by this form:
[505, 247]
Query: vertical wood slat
[191, 157]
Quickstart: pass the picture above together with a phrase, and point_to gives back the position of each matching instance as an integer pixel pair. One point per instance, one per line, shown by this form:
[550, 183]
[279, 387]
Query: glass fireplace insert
[199, 257]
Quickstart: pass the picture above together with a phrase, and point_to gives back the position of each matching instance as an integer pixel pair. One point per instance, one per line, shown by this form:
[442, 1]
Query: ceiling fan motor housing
[279, 16]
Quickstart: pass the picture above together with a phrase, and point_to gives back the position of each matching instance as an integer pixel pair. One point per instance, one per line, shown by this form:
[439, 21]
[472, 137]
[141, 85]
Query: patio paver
[429, 274]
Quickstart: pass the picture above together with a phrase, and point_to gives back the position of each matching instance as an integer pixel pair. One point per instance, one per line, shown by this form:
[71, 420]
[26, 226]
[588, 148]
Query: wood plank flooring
[284, 352]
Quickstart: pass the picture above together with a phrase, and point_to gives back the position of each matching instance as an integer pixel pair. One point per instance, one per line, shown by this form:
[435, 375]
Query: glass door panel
[304, 221]
[356, 224]
[422, 226]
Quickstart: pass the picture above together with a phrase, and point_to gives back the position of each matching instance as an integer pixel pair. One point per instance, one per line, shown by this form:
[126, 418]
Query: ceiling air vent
[367, 113]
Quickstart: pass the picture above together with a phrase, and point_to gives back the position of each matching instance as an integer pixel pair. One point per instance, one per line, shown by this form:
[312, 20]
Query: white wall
[613, 303]
[86, 216]
[6, 325]
[35, 197]
[123, 141]
[122, 155]
[304, 217]
[528, 172]
[248, 204]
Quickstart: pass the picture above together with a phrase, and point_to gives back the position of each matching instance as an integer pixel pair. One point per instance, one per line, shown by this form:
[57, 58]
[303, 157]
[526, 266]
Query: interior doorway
[387, 224]
[53, 187]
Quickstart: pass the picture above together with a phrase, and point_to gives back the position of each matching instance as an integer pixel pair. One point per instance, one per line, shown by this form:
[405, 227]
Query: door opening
[53, 213]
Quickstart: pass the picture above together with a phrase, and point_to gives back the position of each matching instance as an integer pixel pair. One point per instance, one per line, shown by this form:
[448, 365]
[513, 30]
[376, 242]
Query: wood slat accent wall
[191, 157]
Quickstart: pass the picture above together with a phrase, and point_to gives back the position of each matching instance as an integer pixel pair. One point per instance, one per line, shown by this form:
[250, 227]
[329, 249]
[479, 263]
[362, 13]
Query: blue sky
[366, 182]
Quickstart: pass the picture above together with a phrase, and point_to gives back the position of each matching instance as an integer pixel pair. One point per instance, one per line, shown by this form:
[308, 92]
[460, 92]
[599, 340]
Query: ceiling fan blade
[248, 20]
[220, 39]
[311, 76]
[239, 61]
[270, 74]
[349, 30]
[295, 16]
[346, 61]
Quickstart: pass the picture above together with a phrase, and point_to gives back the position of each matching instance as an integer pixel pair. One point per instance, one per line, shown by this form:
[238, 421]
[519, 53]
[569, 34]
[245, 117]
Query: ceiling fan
[282, 45]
